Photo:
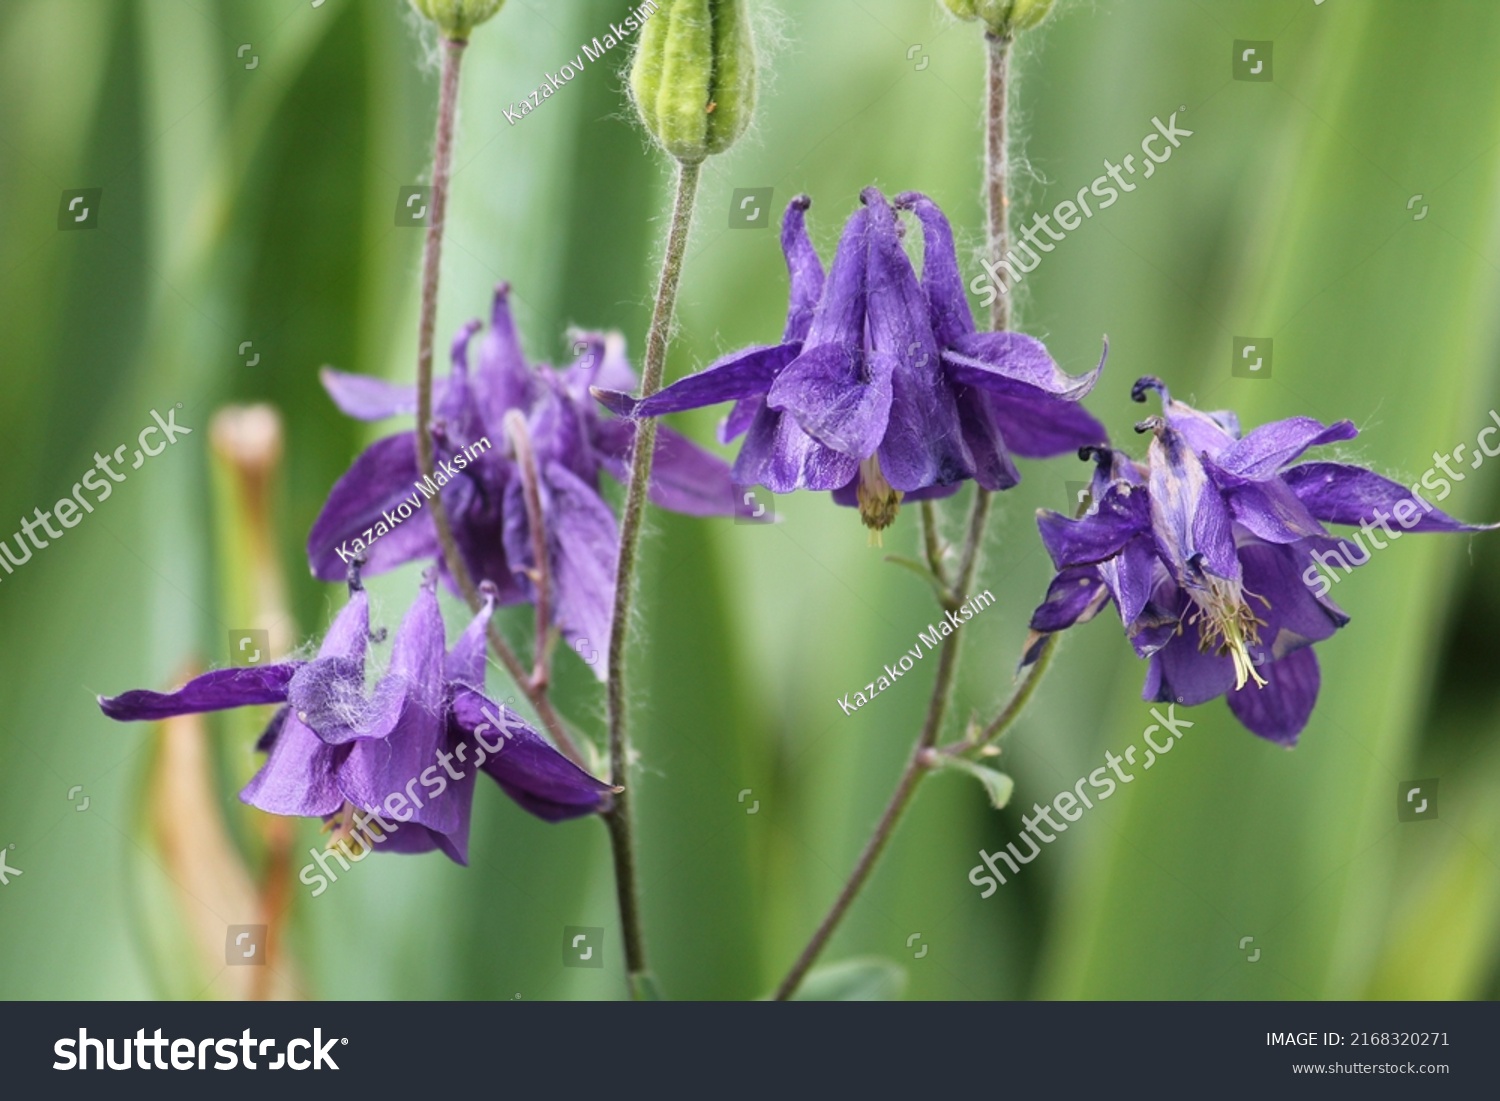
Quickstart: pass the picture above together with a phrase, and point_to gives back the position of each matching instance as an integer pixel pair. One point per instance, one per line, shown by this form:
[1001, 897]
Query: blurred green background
[250, 156]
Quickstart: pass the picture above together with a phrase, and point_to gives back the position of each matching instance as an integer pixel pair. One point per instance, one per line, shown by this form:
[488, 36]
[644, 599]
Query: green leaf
[921, 569]
[867, 979]
[997, 785]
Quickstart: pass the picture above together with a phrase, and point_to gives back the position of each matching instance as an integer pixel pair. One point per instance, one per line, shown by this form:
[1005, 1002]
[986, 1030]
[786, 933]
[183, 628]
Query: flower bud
[693, 78]
[1002, 17]
[456, 18]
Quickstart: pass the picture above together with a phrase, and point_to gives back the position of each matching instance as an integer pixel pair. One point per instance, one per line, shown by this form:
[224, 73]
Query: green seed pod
[693, 78]
[456, 18]
[1002, 17]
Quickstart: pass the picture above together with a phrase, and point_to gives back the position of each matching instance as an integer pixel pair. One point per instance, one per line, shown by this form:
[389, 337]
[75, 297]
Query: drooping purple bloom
[377, 509]
[410, 746]
[881, 389]
[1211, 550]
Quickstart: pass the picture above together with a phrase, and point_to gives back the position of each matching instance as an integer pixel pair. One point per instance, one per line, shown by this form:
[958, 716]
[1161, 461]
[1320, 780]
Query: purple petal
[328, 695]
[225, 688]
[1133, 577]
[837, 396]
[614, 371]
[366, 398]
[687, 479]
[779, 455]
[825, 390]
[1181, 672]
[582, 374]
[988, 446]
[1271, 511]
[926, 493]
[476, 505]
[560, 431]
[409, 838]
[398, 743]
[360, 507]
[1113, 465]
[298, 776]
[1043, 428]
[584, 547]
[840, 315]
[804, 268]
[740, 417]
[1075, 596]
[1119, 516]
[601, 362]
[529, 770]
[1272, 446]
[747, 373]
[924, 439]
[466, 661]
[942, 283]
[456, 408]
[349, 634]
[612, 439]
[1191, 521]
[1343, 494]
[923, 444]
[1280, 710]
[216, 690]
[1293, 615]
[1206, 433]
[503, 381]
[1015, 364]
[442, 792]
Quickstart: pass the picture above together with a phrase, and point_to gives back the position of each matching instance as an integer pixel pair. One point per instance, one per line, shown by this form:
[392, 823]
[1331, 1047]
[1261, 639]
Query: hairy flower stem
[997, 164]
[997, 206]
[432, 255]
[932, 544]
[1021, 695]
[997, 173]
[618, 817]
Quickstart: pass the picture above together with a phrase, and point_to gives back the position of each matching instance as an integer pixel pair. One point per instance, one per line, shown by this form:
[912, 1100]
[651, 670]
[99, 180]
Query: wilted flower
[376, 509]
[881, 389]
[1209, 551]
[340, 753]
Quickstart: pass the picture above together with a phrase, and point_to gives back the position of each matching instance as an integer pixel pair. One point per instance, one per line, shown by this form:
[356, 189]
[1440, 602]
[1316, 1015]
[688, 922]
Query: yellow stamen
[1229, 627]
[344, 833]
[878, 502]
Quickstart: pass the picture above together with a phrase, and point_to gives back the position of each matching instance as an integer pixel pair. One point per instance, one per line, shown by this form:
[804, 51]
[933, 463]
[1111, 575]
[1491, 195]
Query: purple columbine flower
[376, 510]
[1210, 550]
[412, 746]
[881, 389]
